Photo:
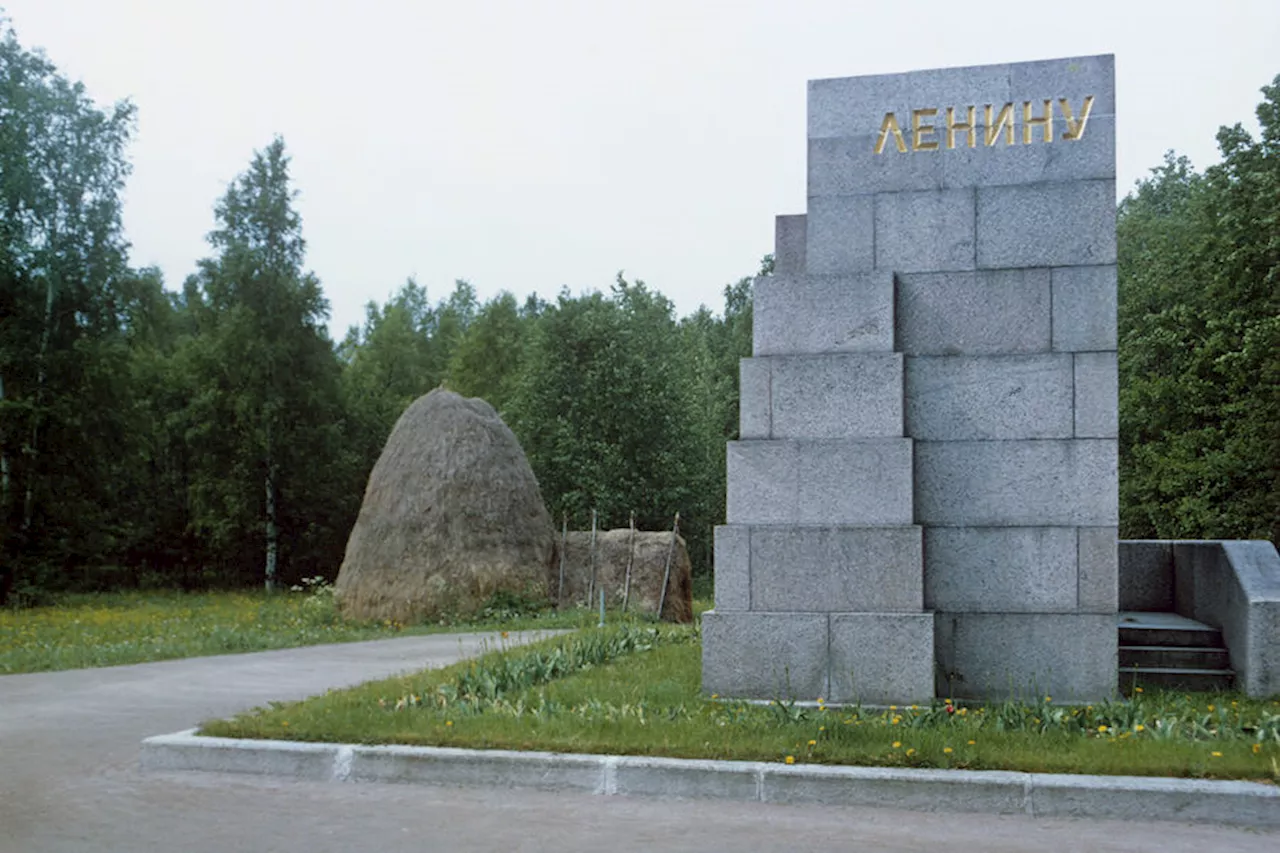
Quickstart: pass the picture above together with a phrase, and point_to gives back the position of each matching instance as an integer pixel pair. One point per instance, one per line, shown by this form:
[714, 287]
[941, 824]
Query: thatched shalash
[452, 514]
[649, 560]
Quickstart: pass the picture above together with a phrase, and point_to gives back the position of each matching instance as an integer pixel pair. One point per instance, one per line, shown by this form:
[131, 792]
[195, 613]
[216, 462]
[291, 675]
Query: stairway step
[1171, 678]
[1138, 628]
[1175, 657]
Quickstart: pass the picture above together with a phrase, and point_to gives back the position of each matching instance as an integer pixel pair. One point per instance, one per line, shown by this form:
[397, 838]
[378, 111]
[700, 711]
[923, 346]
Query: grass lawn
[635, 690]
[135, 627]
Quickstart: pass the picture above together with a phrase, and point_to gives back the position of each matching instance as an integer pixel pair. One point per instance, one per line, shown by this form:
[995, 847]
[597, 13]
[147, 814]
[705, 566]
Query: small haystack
[451, 515]
[648, 567]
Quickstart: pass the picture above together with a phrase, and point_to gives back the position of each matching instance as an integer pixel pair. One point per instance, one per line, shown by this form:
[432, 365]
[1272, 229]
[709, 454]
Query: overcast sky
[530, 145]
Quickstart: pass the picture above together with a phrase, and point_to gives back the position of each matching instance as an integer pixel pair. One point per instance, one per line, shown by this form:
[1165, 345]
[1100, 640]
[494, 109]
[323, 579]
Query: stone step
[1166, 629]
[1175, 657]
[1194, 680]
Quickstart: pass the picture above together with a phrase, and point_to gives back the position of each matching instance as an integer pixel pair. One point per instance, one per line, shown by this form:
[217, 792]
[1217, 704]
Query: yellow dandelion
[897, 743]
[790, 759]
[1211, 709]
[915, 707]
[715, 695]
[448, 722]
[822, 728]
[947, 750]
[893, 707]
[1048, 698]
[1139, 728]
[1257, 747]
[1137, 690]
[972, 742]
[1102, 728]
[285, 724]
[1216, 754]
[813, 743]
[911, 752]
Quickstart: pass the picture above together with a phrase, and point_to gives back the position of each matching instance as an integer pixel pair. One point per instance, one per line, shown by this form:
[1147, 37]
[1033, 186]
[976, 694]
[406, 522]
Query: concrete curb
[997, 792]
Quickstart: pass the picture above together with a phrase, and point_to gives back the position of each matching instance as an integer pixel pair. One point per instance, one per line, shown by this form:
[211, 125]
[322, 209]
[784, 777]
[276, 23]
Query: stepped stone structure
[924, 498]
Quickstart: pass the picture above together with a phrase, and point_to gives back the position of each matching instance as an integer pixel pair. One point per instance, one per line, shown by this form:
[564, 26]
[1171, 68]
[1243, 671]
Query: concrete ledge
[991, 792]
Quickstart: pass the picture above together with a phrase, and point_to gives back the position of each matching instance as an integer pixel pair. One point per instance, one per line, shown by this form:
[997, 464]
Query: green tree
[486, 361]
[62, 262]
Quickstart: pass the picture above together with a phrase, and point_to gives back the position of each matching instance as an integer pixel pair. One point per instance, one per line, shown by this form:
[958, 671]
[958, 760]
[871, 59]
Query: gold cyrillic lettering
[888, 126]
[919, 130]
[1044, 122]
[1004, 120]
[1075, 129]
[953, 126]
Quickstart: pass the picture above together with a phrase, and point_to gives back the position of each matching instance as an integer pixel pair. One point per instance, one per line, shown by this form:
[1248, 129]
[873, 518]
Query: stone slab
[466, 767]
[989, 312]
[684, 778]
[755, 398]
[995, 656]
[184, 751]
[828, 482]
[823, 569]
[1001, 569]
[853, 395]
[798, 315]
[882, 658]
[1097, 384]
[925, 231]
[1046, 225]
[789, 245]
[1099, 570]
[764, 655]
[732, 567]
[993, 792]
[1145, 799]
[1084, 308]
[840, 235]
[1146, 575]
[1055, 483]
[957, 398]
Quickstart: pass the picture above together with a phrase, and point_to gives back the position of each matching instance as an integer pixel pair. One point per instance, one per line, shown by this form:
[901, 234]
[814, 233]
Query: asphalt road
[69, 781]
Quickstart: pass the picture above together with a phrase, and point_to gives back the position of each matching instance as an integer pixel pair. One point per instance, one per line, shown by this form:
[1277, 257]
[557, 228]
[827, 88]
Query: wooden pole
[631, 556]
[666, 576]
[591, 590]
[564, 543]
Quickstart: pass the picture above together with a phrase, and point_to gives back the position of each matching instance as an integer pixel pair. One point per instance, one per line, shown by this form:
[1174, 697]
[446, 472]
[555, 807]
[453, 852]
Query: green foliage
[1199, 322]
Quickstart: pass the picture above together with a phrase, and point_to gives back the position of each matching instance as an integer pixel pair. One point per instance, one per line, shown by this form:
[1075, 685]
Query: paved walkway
[69, 781]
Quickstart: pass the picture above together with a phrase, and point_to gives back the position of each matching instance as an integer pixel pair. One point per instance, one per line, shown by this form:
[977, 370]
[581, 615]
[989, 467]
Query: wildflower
[950, 709]
[897, 743]
[1048, 698]
[1137, 690]
[1216, 754]
[715, 695]
[915, 707]
[893, 707]
[448, 723]
[285, 724]
[813, 743]
[1139, 728]
[822, 728]
[947, 750]
[790, 759]
[1210, 709]
[505, 635]
[1257, 747]
[972, 742]
[1102, 728]
[911, 752]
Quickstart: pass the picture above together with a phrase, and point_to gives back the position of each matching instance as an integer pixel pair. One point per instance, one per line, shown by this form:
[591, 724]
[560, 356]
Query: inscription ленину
[996, 124]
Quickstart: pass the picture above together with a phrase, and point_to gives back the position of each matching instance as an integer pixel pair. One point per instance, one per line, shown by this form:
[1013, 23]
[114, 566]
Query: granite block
[856, 395]
[796, 315]
[925, 231]
[764, 655]
[1097, 395]
[996, 656]
[732, 567]
[863, 482]
[1000, 569]
[1099, 570]
[882, 658]
[840, 235]
[1055, 483]
[1140, 799]
[896, 788]
[1054, 224]
[649, 776]
[755, 398]
[1084, 308]
[1146, 575]
[1092, 157]
[855, 106]
[954, 398]
[848, 165]
[1071, 78]
[822, 569]
[974, 313]
[789, 245]
[466, 767]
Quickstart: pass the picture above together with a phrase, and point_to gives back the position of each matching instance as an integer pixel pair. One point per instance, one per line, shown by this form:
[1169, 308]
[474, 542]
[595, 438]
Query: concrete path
[69, 781]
